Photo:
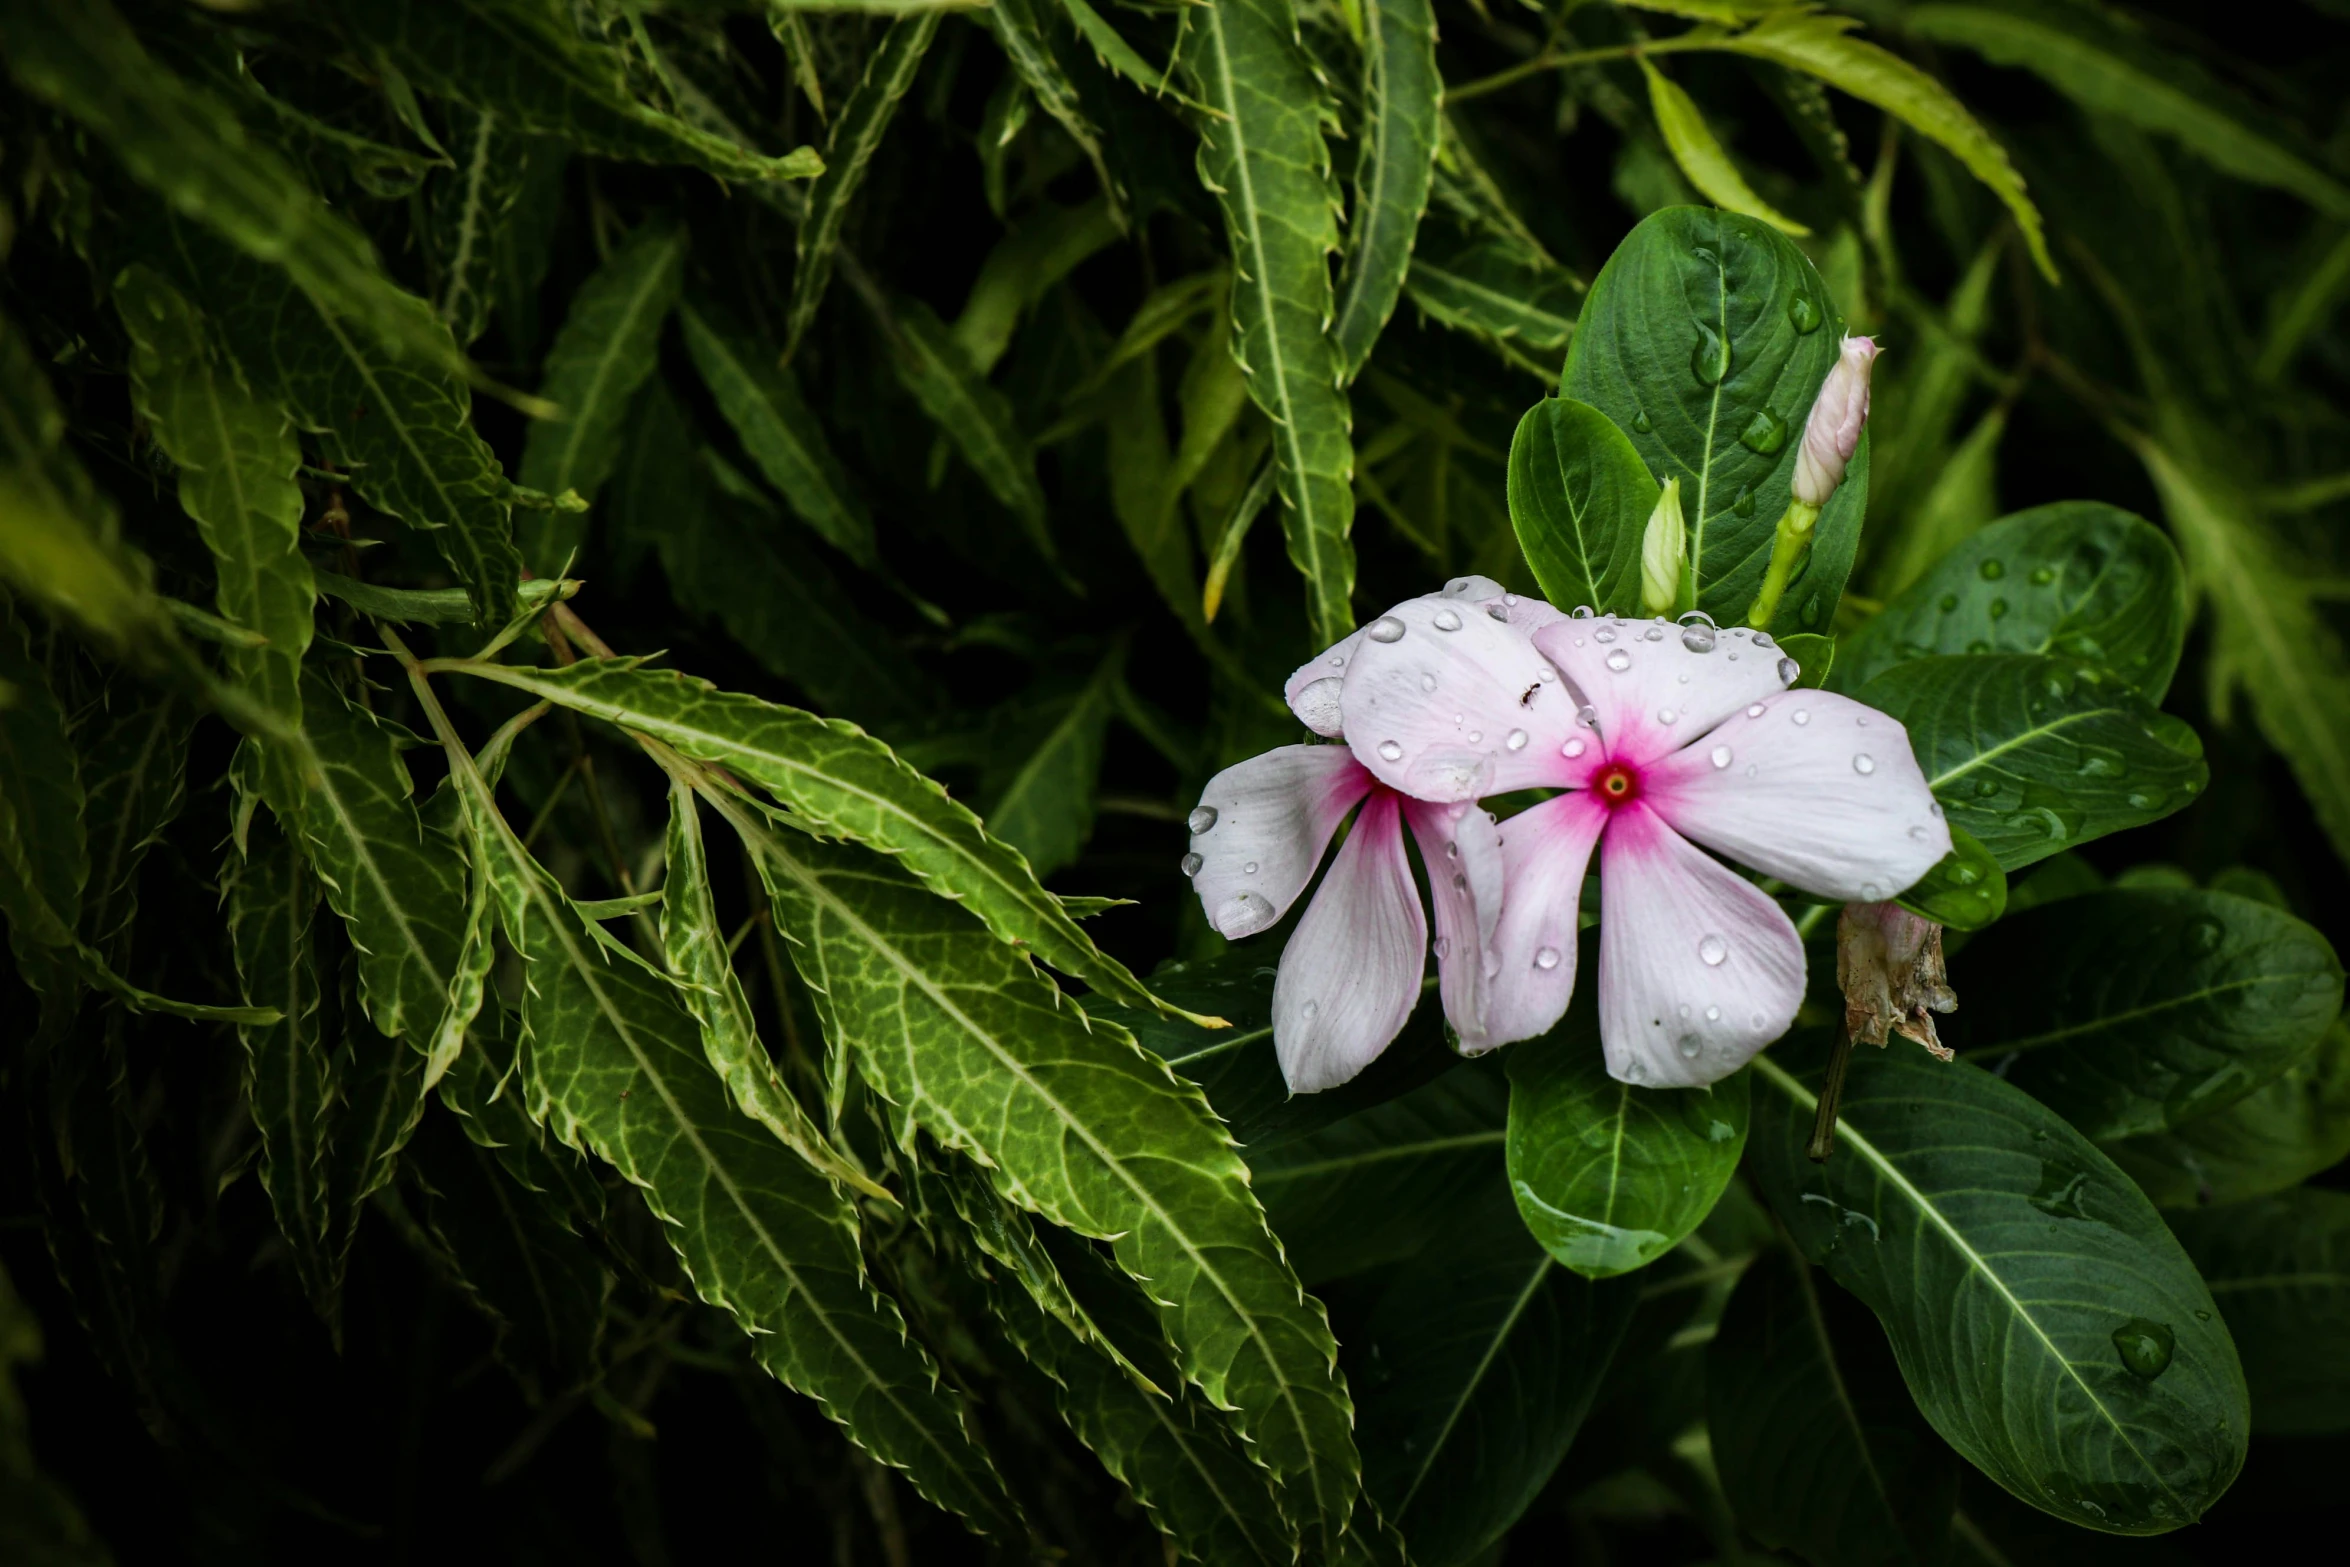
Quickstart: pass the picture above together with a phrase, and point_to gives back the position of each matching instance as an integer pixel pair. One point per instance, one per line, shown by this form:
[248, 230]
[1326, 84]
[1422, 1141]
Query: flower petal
[1447, 699]
[1698, 968]
[1351, 973]
[1544, 852]
[1266, 822]
[1461, 847]
[1817, 790]
[1654, 686]
[1312, 692]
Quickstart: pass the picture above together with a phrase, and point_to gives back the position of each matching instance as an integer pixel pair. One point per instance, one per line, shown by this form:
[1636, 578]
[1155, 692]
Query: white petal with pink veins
[1461, 847]
[1260, 828]
[1544, 851]
[1351, 973]
[1653, 685]
[1815, 789]
[1446, 698]
[1698, 968]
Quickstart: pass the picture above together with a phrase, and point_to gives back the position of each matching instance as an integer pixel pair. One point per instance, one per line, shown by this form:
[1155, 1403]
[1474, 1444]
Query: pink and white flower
[1663, 737]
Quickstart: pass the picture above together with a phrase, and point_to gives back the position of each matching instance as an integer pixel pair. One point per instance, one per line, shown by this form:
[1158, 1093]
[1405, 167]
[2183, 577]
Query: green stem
[1789, 546]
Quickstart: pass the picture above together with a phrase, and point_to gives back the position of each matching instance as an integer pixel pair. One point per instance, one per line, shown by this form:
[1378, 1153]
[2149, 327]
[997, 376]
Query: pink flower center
[1615, 785]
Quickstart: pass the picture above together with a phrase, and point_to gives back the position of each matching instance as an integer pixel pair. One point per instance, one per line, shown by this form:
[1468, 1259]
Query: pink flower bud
[1833, 431]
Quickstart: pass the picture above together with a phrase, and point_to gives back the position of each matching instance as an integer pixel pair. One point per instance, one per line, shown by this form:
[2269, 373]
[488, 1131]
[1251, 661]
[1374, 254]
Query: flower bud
[1889, 966]
[1832, 432]
[1664, 553]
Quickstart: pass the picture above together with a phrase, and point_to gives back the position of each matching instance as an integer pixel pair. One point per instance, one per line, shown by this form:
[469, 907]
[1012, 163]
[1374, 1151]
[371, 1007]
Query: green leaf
[44, 856]
[1493, 288]
[1713, 384]
[2011, 1264]
[237, 458]
[1042, 783]
[843, 783]
[430, 606]
[134, 757]
[293, 1080]
[404, 430]
[2277, 1136]
[491, 220]
[614, 1065]
[1403, 95]
[1235, 1066]
[2035, 754]
[761, 399]
[1965, 889]
[608, 345]
[2132, 1011]
[2111, 67]
[1819, 44]
[1025, 31]
[1701, 157]
[972, 414]
[1264, 159]
[526, 63]
[1610, 1177]
[2280, 1269]
[1050, 242]
[1818, 1445]
[1075, 1123]
[1379, 1185]
[2079, 578]
[856, 131]
[1477, 1367]
[399, 887]
[1580, 499]
[186, 144]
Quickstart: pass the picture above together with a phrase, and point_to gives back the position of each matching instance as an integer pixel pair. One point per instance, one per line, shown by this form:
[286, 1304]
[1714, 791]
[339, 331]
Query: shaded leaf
[2276, 1136]
[1042, 781]
[1701, 157]
[1580, 499]
[972, 414]
[2280, 1269]
[1964, 890]
[44, 855]
[491, 219]
[1403, 96]
[1494, 287]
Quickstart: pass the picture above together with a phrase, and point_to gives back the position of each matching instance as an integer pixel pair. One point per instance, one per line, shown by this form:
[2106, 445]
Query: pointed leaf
[1701, 157]
[44, 857]
[134, 757]
[1580, 499]
[1044, 802]
[1403, 96]
[490, 213]
[972, 414]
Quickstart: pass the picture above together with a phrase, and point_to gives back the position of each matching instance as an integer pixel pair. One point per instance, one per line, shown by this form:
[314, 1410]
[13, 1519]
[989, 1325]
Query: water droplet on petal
[1443, 948]
[1386, 629]
[1918, 834]
[1191, 864]
[1871, 892]
[1936, 808]
[1721, 756]
[1763, 639]
[1446, 620]
[1604, 635]
[1788, 671]
[1547, 674]
[1492, 964]
[1308, 1010]
[1665, 715]
[1452, 851]
[1476, 737]
[1619, 661]
[1517, 740]
[1714, 950]
[1428, 684]
[1498, 612]
[1201, 819]
[1863, 763]
[1588, 717]
[1242, 914]
[1713, 1014]
[1573, 748]
[1801, 716]
[1689, 1045]
[1546, 959]
[1250, 869]
[1755, 711]
[1698, 639]
[1582, 612]
[1390, 751]
[1654, 635]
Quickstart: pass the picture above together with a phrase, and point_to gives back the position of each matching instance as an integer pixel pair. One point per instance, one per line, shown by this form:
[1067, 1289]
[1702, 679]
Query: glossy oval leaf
[1964, 890]
[1610, 1177]
[2277, 1136]
[2026, 1285]
[2036, 754]
[1819, 1447]
[2080, 578]
[2280, 1270]
[1705, 338]
[2133, 1010]
[1580, 499]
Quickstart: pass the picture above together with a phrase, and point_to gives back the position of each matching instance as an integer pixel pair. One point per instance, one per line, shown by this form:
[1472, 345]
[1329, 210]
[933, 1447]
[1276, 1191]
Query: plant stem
[1823, 1126]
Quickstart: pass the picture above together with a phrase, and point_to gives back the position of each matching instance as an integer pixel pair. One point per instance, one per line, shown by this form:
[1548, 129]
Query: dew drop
[1242, 914]
[1949, 602]
[1250, 869]
[1546, 959]
[1763, 639]
[1765, 433]
[1997, 609]
[1756, 711]
[1654, 634]
[1801, 716]
[1640, 422]
[2145, 1347]
[1452, 851]
[1864, 764]
[1517, 740]
[1428, 684]
[1936, 808]
[1789, 671]
[1744, 504]
[1443, 948]
[2206, 935]
[1917, 834]
[1588, 717]
[1547, 675]
[2043, 575]
[1993, 570]
[1709, 360]
[1689, 1045]
[1201, 819]
[1619, 661]
[1572, 748]
[1476, 737]
[1698, 638]
[1802, 314]
[1582, 612]
[1390, 751]
[1985, 788]
[1604, 635]
[1714, 950]
[1308, 1010]
[1713, 1014]
[1720, 757]
[1871, 892]
[1498, 612]
[1386, 629]
[1446, 620]
[1191, 864]
[1665, 715]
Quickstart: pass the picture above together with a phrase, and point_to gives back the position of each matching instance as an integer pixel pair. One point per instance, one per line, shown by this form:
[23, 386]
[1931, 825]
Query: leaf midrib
[575, 428]
[2130, 1015]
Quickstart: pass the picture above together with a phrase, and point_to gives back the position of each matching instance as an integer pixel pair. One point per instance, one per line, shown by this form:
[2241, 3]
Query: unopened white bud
[1832, 433]
[1664, 553]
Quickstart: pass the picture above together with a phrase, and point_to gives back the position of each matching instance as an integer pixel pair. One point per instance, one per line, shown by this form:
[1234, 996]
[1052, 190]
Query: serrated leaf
[2275, 1137]
[606, 348]
[761, 399]
[844, 783]
[237, 459]
[2079, 578]
[2280, 1269]
[525, 63]
[1712, 382]
[2112, 68]
[1265, 161]
[1379, 1185]
[487, 215]
[1403, 97]
[1478, 1365]
[970, 1044]
[185, 144]
[613, 1064]
[44, 856]
[1610, 1177]
[1025, 31]
[1040, 797]
[134, 757]
[856, 132]
[1819, 1447]
[1702, 157]
[1966, 1215]
[2132, 1011]
[971, 413]
[1580, 499]
[2034, 754]
[1494, 287]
